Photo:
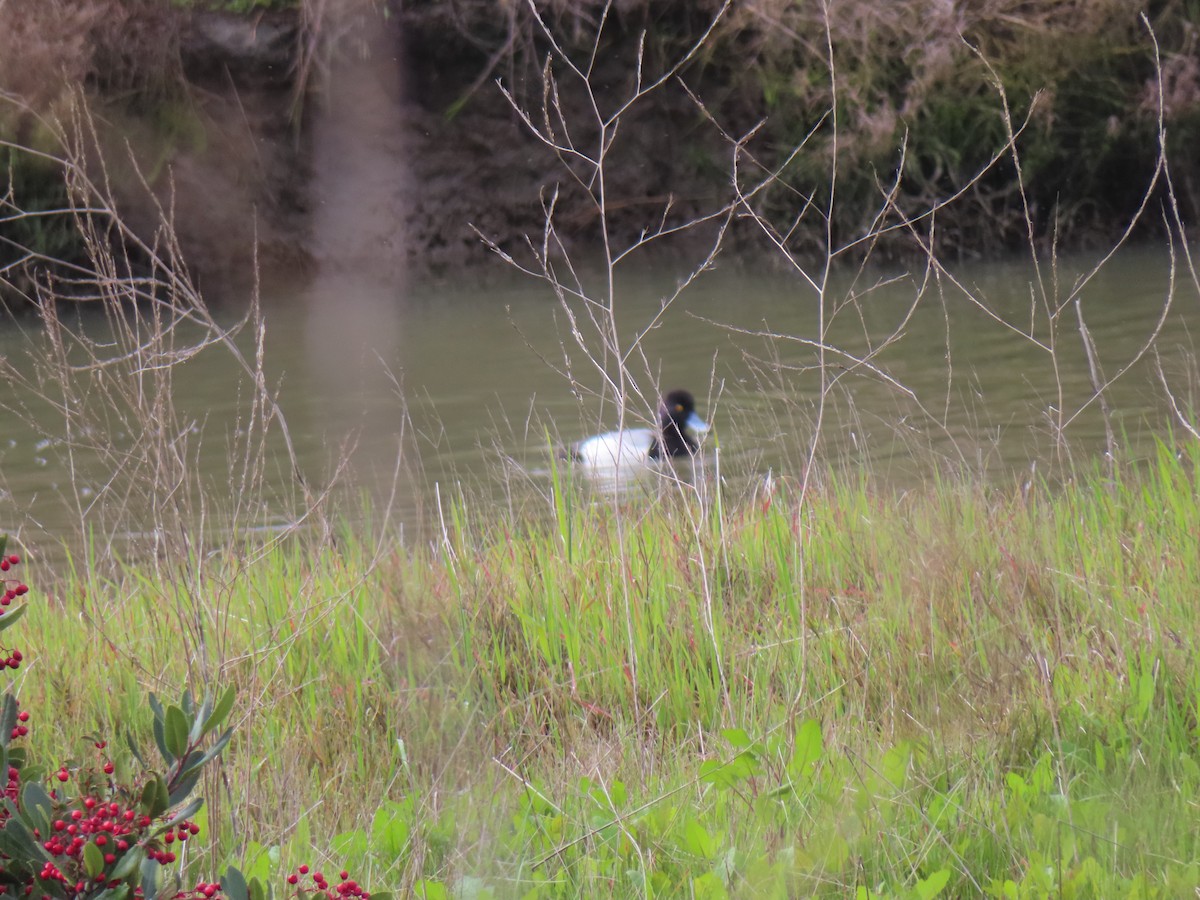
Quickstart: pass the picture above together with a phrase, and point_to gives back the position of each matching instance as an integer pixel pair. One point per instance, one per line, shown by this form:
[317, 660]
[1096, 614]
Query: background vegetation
[917, 99]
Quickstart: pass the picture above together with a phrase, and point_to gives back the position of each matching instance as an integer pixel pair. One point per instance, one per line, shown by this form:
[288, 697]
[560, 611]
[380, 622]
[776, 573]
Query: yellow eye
[678, 407]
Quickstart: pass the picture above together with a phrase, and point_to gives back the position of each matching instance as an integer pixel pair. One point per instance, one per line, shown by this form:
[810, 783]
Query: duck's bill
[696, 424]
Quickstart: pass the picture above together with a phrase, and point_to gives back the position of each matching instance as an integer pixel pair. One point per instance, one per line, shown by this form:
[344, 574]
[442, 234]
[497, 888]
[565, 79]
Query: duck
[678, 434]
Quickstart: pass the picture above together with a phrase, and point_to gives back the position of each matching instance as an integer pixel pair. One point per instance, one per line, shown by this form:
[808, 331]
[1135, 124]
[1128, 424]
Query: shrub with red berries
[14, 589]
[73, 832]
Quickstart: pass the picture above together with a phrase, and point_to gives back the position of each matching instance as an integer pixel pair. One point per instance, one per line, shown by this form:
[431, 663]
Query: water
[426, 389]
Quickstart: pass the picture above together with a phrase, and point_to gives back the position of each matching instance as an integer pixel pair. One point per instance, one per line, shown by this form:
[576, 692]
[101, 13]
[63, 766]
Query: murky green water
[423, 388]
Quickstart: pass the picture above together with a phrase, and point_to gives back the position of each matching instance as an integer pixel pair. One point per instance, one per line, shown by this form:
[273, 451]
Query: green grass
[958, 690]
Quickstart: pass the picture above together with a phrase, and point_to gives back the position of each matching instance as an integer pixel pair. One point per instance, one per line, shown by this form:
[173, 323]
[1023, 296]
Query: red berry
[303, 870]
[343, 875]
[14, 559]
[108, 768]
[4, 565]
[21, 589]
[22, 716]
[293, 878]
[63, 776]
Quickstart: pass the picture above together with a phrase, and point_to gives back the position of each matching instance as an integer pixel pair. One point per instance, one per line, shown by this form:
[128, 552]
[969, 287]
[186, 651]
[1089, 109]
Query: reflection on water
[479, 388]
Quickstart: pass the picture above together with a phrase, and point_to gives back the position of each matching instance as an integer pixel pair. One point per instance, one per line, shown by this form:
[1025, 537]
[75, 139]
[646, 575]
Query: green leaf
[737, 737]
[189, 763]
[37, 806]
[216, 748]
[3, 543]
[727, 774]
[12, 616]
[424, 889]
[257, 892]
[709, 887]
[183, 788]
[390, 830]
[128, 863]
[16, 841]
[712, 772]
[221, 711]
[185, 813]
[8, 719]
[808, 750]
[154, 797]
[147, 801]
[150, 870]
[933, 885]
[93, 860]
[176, 732]
[618, 794]
[160, 734]
[256, 862]
[233, 884]
[349, 844]
[698, 841]
[200, 718]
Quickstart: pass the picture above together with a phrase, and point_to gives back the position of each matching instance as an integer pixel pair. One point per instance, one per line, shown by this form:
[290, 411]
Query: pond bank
[225, 111]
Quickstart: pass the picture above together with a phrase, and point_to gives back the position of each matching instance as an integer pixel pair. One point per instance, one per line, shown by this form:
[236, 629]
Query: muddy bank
[377, 136]
[438, 155]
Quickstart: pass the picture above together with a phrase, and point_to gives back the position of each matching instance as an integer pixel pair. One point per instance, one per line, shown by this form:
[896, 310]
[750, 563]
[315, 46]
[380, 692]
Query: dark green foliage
[93, 833]
[904, 75]
[35, 216]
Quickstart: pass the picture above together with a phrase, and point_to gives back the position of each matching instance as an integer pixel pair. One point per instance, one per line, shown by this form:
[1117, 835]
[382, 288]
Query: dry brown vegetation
[917, 81]
[917, 100]
[167, 113]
